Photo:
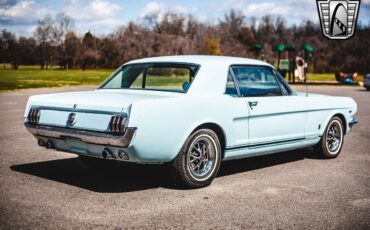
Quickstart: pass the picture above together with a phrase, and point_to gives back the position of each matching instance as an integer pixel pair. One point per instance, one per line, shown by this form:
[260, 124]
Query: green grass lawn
[33, 77]
[326, 77]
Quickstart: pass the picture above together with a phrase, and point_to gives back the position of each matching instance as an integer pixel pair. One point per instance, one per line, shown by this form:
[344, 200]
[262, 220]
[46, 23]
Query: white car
[191, 112]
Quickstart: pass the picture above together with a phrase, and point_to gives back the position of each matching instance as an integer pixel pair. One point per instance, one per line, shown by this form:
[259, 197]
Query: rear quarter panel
[164, 125]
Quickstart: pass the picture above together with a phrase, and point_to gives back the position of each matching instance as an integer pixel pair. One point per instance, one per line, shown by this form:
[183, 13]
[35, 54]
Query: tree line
[56, 44]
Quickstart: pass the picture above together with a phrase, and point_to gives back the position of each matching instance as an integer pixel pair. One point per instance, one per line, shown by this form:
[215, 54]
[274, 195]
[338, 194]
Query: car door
[276, 116]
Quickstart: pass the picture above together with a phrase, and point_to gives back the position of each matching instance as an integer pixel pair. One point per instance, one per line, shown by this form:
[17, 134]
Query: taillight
[34, 115]
[117, 124]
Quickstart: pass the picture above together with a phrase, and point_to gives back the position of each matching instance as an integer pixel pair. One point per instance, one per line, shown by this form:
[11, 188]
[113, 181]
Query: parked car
[367, 81]
[191, 112]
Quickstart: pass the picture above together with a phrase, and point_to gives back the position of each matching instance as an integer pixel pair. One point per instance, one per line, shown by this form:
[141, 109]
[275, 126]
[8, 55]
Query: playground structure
[344, 78]
[294, 66]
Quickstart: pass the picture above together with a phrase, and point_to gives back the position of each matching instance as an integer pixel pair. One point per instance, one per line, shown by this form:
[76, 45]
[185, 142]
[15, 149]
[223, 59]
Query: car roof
[201, 59]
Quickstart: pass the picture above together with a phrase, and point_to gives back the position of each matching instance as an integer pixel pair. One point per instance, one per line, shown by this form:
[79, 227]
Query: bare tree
[232, 22]
[234, 34]
[72, 47]
[10, 48]
[4, 46]
[62, 25]
[44, 37]
[27, 51]
[280, 28]
[171, 24]
[172, 34]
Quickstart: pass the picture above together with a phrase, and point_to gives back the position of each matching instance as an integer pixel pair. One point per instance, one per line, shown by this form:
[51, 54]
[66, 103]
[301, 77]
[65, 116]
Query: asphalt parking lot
[291, 190]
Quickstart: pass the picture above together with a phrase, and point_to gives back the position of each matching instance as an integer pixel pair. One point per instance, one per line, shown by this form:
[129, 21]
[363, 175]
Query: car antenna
[305, 82]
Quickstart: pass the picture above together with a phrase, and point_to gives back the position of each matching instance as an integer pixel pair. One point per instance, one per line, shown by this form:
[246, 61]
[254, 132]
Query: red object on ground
[341, 76]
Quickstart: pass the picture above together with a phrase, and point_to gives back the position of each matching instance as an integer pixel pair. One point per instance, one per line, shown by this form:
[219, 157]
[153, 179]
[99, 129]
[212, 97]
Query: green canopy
[307, 47]
[256, 47]
[279, 48]
[289, 47]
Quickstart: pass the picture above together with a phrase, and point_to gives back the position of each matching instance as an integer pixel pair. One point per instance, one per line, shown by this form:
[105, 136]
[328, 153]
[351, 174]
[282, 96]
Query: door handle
[252, 104]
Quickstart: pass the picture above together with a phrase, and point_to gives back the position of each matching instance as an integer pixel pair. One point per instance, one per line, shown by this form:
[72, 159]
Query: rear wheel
[97, 163]
[331, 142]
[198, 162]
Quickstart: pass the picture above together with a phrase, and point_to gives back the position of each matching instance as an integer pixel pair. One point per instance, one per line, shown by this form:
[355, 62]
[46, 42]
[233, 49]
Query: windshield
[153, 76]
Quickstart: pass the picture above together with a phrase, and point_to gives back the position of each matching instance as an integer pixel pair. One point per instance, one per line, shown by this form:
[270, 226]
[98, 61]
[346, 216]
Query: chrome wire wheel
[334, 137]
[202, 157]
[199, 159]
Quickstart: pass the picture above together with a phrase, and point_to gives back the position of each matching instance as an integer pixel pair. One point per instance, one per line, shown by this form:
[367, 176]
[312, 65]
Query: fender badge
[71, 119]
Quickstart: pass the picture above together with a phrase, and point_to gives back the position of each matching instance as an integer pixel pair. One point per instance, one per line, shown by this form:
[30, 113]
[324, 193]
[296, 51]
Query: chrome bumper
[353, 122]
[82, 135]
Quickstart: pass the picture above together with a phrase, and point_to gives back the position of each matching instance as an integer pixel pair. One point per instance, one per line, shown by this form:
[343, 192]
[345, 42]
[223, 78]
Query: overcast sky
[103, 16]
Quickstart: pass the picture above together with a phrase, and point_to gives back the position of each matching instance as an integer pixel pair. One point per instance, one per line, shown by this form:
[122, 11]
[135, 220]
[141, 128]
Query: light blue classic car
[191, 112]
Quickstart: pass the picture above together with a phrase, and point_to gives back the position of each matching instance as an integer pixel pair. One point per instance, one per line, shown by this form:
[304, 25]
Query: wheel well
[343, 119]
[220, 134]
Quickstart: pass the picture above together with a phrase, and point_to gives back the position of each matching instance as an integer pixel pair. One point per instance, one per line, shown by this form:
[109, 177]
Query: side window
[256, 81]
[230, 86]
[116, 82]
[283, 84]
[138, 83]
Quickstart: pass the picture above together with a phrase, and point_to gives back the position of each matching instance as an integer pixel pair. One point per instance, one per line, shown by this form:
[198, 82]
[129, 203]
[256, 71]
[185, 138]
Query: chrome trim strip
[353, 122]
[77, 110]
[290, 112]
[265, 144]
[92, 137]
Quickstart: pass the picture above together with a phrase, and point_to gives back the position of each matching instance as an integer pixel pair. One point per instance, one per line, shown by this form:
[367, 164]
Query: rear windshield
[153, 76]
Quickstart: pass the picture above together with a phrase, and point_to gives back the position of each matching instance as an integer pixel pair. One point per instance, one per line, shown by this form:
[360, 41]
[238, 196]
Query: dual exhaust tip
[47, 144]
[107, 154]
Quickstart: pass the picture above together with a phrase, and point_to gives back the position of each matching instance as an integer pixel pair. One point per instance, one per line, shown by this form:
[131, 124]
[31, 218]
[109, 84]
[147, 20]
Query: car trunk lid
[92, 109]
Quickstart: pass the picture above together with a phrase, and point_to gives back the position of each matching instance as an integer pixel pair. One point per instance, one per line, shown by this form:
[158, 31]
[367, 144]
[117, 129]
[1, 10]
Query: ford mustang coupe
[191, 112]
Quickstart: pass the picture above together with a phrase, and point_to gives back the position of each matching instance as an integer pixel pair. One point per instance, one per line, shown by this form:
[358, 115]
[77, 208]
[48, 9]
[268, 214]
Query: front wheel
[331, 142]
[199, 159]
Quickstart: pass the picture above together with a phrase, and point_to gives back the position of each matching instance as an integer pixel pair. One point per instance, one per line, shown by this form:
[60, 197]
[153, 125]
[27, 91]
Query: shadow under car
[127, 177]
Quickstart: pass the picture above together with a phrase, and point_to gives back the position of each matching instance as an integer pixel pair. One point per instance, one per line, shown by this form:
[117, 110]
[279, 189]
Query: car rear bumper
[91, 137]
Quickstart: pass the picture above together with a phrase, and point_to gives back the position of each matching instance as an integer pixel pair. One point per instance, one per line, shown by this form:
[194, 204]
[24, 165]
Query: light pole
[279, 48]
[307, 51]
[290, 48]
[256, 48]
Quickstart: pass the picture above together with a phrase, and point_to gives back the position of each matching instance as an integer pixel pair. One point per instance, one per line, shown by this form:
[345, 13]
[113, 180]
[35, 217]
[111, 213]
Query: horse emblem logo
[71, 119]
[338, 18]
